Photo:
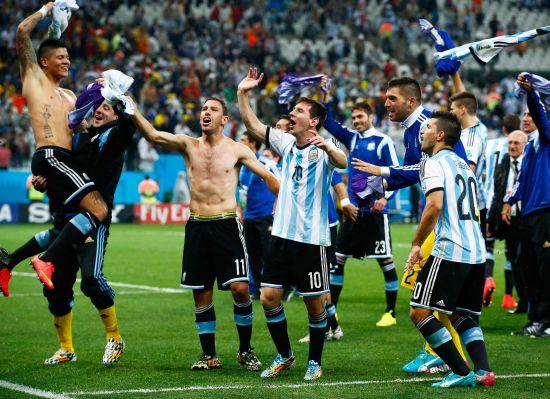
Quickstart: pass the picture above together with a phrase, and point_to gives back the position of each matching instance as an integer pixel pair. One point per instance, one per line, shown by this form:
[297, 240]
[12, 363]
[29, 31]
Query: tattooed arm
[23, 43]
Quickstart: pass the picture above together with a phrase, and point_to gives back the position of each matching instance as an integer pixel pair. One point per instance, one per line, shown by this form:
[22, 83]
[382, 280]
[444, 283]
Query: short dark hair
[466, 99]
[252, 139]
[224, 107]
[316, 110]
[363, 106]
[450, 125]
[285, 117]
[408, 86]
[47, 46]
[510, 123]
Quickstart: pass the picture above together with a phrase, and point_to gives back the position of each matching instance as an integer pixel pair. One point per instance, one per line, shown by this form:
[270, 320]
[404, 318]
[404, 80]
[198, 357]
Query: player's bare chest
[213, 162]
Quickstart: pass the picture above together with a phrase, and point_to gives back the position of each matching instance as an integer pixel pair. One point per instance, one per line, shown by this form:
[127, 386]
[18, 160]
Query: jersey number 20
[467, 189]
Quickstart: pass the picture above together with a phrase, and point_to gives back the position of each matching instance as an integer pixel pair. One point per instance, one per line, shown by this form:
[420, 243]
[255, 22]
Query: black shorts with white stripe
[67, 183]
[446, 286]
[214, 249]
[292, 263]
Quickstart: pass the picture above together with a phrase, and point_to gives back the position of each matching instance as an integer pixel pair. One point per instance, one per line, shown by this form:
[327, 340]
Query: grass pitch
[157, 322]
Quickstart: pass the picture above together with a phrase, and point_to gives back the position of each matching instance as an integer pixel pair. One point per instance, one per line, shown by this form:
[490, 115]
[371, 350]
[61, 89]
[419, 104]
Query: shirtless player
[49, 106]
[214, 245]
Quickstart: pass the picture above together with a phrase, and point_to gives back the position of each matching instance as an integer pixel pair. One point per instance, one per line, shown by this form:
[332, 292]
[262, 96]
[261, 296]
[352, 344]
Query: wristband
[345, 202]
[43, 11]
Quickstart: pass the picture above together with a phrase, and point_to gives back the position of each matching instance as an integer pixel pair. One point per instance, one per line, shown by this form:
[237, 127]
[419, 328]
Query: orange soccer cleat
[44, 271]
[508, 302]
[488, 291]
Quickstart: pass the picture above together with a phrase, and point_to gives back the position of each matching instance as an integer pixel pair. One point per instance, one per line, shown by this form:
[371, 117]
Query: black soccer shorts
[292, 263]
[214, 249]
[368, 236]
[67, 183]
[447, 286]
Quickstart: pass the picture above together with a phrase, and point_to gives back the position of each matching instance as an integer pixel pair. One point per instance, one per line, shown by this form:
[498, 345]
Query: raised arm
[251, 121]
[175, 141]
[248, 159]
[457, 83]
[23, 42]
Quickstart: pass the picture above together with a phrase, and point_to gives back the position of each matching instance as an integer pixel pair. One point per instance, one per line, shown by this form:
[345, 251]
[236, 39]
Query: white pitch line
[275, 386]
[32, 391]
[123, 285]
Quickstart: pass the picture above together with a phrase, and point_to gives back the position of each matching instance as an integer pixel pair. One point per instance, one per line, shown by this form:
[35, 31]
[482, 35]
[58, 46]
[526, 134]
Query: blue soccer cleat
[279, 365]
[313, 371]
[453, 380]
[422, 363]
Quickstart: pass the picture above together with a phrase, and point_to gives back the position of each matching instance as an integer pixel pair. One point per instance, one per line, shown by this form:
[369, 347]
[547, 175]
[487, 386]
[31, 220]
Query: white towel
[116, 84]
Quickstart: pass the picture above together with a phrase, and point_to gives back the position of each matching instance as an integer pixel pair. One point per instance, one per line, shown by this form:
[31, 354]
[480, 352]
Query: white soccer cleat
[113, 351]
[61, 356]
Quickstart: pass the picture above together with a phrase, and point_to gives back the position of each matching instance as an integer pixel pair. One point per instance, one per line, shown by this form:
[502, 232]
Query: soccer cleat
[207, 362]
[44, 271]
[329, 335]
[305, 340]
[542, 332]
[113, 351]
[279, 365]
[313, 371]
[453, 380]
[5, 276]
[508, 302]
[485, 378]
[337, 334]
[60, 356]
[249, 360]
[529, 329]
[387, 320]
[423, 362]
[488, 290]
[443, 368]
[4, 257]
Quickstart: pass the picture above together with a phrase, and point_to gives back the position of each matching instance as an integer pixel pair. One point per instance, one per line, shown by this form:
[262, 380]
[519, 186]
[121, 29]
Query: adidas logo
[88, 240]
[440, 303]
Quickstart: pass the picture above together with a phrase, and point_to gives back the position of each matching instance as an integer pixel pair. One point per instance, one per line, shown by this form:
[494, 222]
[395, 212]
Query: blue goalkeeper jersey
[408, 174]
[370, 146]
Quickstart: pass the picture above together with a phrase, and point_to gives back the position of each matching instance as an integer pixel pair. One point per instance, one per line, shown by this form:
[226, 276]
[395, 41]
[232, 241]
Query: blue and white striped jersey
[458, 235]
[302, 207]
[496, 148]
[474, 139]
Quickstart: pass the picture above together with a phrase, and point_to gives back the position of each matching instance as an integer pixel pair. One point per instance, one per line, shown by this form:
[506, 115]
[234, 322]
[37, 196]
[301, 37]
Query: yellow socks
[443, 318]
[64, 327]
[108, 317]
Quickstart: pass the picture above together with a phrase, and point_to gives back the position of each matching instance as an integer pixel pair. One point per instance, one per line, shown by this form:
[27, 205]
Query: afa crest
[313, 155]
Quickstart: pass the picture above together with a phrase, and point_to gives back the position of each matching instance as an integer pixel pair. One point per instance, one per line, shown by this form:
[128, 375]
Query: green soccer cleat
[453, 380]
[423, 362]
[279, 365]
[313, 371]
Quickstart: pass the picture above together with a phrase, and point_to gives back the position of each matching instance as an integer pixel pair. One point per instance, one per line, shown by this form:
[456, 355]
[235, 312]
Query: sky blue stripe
[439, 337]
[326, 180]
[391, 285]
[294, 198]
[277, 318]
[82, 223]
[283, 194]
[310, 195]
[473, 334]
[243, 320]
[336, 279]
[206, 327]
[322, 324]
[43, 239]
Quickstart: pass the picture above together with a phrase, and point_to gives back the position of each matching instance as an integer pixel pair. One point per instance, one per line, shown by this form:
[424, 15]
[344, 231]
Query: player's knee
[89, 286]
[269, 299]
[60, 306]
[240, 292]
[417, 314]
[101, 211]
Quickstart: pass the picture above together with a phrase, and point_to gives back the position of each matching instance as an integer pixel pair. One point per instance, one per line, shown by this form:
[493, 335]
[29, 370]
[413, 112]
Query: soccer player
[301, 232]
[496, 149]
[474, 140]
[100, 152]
[403, 103]
[49, 105]
[214, 247]
[257, 203]
[365, 232]
[451, 281]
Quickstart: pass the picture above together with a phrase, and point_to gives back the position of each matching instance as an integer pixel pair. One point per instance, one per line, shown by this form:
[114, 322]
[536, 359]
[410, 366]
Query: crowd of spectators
[180, 52]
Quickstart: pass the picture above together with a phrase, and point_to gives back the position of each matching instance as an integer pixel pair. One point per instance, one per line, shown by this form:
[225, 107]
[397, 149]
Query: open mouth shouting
[206, 121]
